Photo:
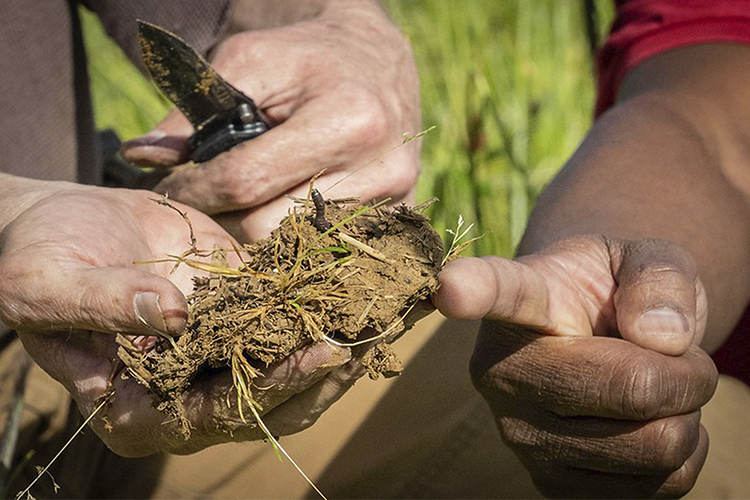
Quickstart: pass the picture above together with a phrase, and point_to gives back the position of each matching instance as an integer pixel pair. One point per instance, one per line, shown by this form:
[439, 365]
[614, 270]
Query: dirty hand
[340, 91]
[589, 359]
[69, 282]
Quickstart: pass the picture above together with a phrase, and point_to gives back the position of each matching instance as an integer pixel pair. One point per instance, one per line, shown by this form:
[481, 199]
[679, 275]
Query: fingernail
[664, 321]
[145, 140]
[149, 311]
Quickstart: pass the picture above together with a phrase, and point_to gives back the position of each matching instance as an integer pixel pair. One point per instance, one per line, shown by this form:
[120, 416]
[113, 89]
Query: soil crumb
[354, 279]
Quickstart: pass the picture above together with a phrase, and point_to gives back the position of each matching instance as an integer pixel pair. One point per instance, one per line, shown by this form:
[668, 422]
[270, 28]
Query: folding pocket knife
[221, 115]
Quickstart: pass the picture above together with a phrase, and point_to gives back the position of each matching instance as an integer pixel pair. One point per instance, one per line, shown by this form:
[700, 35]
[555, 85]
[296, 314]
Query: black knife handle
[211, 141]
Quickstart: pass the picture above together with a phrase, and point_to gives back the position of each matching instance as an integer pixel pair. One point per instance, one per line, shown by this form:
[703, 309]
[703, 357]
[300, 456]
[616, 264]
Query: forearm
[667, 162]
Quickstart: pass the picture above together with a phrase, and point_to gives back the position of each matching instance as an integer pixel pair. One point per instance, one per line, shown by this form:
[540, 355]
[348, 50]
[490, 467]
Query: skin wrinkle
[518, 435]
[518, 284]
[572, 440]
[636, 392]
[491, 381]
[593, 303]
[532, 377]
[280, 103]
[590, 451]
[557, 476]
[93, 300]
[689, 389]
[581, 372]
[604, 399]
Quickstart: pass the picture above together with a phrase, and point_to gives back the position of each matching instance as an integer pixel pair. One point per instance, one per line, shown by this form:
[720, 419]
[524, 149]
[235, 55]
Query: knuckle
[95, 306]
[240, 49]
[671, 443]
[401, 178]
[235, 188]
[662, 257]
[7, 312]
[367, 120]
[636, 386]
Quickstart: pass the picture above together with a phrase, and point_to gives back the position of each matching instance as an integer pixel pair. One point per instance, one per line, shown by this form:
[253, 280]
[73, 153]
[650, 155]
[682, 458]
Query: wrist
[247, 15]
[366, 19]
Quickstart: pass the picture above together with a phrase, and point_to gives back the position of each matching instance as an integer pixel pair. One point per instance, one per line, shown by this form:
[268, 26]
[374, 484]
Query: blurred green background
[508, 84]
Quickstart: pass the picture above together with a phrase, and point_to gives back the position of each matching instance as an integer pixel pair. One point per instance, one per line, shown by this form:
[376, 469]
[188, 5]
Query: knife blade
[221, 114]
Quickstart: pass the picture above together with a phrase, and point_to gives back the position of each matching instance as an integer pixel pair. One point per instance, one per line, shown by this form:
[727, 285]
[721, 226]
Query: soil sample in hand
[331, 272]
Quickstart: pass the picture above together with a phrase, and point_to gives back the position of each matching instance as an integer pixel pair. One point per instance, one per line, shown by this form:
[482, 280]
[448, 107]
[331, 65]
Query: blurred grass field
[508, 85]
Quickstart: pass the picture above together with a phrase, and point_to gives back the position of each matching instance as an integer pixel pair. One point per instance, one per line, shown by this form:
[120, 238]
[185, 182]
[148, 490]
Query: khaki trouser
[424, 434]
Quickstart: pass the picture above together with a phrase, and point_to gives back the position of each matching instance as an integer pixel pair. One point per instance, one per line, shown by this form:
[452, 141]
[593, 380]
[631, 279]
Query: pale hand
[340, 93]
[71, 281]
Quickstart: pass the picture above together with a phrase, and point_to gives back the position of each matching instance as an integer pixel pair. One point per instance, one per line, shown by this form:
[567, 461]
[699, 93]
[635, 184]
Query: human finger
[133, 427]
[657, 296]
[45, 294]
[255, 223]
[559, 482]
[311, 139]
[298, 372]
[303, 409]
[601, 444]
[217, 418]
[503, 290]
[591, 376]
[164, 146]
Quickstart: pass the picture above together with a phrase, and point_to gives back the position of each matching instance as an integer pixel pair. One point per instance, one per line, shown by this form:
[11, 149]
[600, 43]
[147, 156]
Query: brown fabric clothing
[46, 124]
[196, 21]
[37, 90]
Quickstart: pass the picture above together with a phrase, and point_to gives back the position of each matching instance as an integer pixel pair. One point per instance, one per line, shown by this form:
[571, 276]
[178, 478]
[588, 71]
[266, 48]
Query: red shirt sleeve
[733, 357]
[644, 28]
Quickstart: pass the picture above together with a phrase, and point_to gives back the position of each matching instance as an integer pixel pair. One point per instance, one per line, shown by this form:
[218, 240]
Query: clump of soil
[354, 279]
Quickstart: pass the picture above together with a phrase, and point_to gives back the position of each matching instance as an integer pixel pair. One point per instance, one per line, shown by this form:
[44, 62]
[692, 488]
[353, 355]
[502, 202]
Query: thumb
[165, 146]
[660, 302]
[493, 288]
[108, 299]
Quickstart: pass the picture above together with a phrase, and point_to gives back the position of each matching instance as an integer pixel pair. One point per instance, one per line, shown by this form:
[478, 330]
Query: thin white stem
[75, 434]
